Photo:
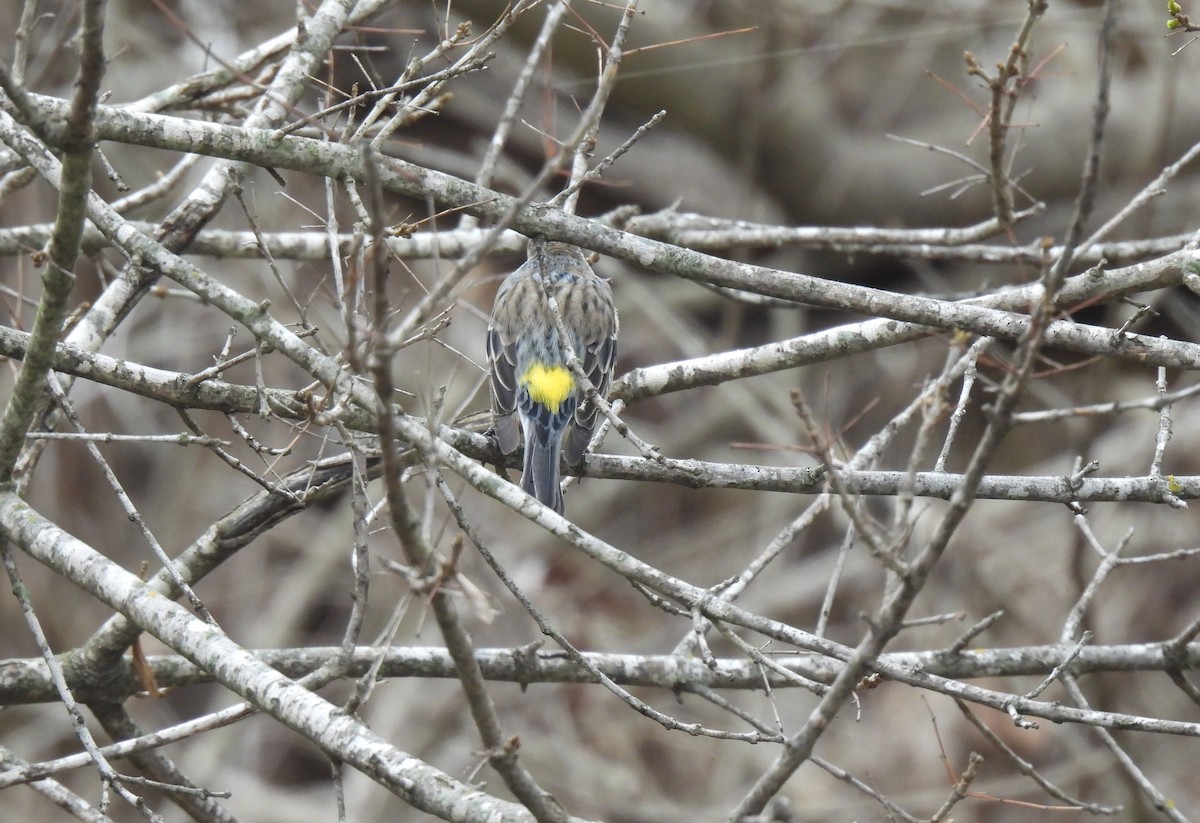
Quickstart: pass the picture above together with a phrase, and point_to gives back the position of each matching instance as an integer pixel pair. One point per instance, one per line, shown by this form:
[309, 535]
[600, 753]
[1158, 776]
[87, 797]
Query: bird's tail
[540, 474]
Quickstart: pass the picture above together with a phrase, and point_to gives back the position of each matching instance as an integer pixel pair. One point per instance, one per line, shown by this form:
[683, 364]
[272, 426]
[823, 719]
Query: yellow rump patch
[548, 385]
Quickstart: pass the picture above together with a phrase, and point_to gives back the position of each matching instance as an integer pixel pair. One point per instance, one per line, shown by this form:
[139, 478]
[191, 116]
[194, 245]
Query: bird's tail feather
[540, 475]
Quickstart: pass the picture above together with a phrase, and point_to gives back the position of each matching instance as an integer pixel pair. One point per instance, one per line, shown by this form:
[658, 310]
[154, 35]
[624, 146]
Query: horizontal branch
[696, 231]
[25, 681]
[282, 245]
[941, 485]
[716, 232]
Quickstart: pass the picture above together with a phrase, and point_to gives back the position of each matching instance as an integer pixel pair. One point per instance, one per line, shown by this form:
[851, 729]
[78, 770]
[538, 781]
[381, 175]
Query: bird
[533, 390]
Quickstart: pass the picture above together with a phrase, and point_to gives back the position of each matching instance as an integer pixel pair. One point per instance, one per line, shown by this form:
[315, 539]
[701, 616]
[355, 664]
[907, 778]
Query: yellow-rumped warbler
[530, 376]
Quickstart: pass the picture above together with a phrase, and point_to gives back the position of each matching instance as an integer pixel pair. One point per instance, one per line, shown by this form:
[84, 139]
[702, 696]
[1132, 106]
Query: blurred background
[779, 112]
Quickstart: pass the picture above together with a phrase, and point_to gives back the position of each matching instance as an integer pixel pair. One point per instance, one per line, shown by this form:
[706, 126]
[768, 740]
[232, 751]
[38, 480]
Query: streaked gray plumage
[532, 386]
